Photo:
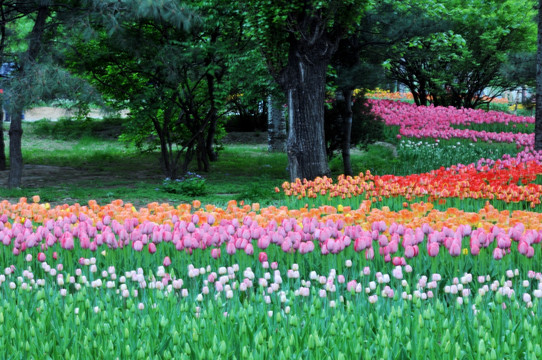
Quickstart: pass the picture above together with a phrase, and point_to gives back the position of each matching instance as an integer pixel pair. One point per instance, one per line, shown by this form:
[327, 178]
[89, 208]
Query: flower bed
[438, 122]
[204, 282]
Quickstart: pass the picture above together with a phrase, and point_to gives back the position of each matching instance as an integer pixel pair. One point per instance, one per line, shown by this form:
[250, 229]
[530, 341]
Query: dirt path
[46, 175]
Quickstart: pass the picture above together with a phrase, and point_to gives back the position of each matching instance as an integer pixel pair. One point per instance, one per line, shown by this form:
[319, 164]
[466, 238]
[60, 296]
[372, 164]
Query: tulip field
[439, 264]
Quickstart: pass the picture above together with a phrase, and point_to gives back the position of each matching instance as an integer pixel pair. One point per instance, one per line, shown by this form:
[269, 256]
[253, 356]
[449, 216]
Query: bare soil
[48, 176]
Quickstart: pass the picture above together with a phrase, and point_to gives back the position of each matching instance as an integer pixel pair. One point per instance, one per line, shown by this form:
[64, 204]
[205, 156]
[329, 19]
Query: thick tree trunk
[306, 141]
[304, 83]
[538, 114]
[347, 130]
[15, 152]
[276, 126]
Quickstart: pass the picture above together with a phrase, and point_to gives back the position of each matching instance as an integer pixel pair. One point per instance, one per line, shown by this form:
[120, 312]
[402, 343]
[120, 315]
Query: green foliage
[252, 194]
[169, 76]
[104, 170]
[419, 156]
[464, 55]
[69, 129]
[191, 184]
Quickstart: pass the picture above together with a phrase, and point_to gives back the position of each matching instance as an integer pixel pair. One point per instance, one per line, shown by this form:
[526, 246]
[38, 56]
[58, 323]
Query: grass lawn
[75, 163]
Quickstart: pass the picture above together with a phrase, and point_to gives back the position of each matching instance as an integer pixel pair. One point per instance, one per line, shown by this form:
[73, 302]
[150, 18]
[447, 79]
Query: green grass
[94, 165]
[67, 129]
[511, 127]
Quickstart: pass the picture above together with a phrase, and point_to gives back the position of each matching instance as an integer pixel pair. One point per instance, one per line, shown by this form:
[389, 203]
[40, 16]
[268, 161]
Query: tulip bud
[481, 347]
[493, 354]
[310, 344]
[537, 350]
[513, 339]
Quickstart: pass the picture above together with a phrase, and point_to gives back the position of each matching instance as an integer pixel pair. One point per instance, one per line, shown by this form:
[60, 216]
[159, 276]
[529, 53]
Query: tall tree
[37, 75]
[538, 113]
[298, 39]
[18, 99]
[3, 25]
[357, 64]
[169, 74]
[454, 66]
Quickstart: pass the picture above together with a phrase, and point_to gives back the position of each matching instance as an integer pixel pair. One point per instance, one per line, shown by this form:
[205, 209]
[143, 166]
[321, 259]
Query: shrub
[191, 184]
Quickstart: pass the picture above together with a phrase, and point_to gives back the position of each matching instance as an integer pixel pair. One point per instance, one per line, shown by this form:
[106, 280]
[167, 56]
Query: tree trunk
[304, 83]
[306, 142]
[276, 126]
[2, 47]
[2, 144]
[212, 155]
[346, 115]
[15, 152]
[538, 114]
[16, 130]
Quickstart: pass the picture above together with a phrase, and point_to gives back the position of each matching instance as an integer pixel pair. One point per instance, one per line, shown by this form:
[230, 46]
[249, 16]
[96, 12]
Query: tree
[170, 75]
[454, 66]
[298, 39]
[538, 113]
[357, 64]
[360, 129]
[18, 98]
[37, 75]
[3, 25]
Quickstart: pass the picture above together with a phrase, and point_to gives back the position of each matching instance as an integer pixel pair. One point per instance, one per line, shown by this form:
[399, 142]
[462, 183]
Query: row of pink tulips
[436, 122]
[395, 242]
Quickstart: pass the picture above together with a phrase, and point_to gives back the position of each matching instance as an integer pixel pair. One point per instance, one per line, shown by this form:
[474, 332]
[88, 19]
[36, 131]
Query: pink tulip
[41, 257]
[433, 249]
[211, 219]
[369, 254]
[498, 253]
[137, 245]
[191, 227]
[455, 248]
[152, 248]
[215, 253]
[262, 257]
[249, 249]
[230, 248]
[523, 247]
[167, 261]
[409, 252]
[66, 241]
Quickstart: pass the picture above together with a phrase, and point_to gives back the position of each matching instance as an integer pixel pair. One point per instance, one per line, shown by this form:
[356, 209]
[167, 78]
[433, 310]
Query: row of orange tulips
[413, 215]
